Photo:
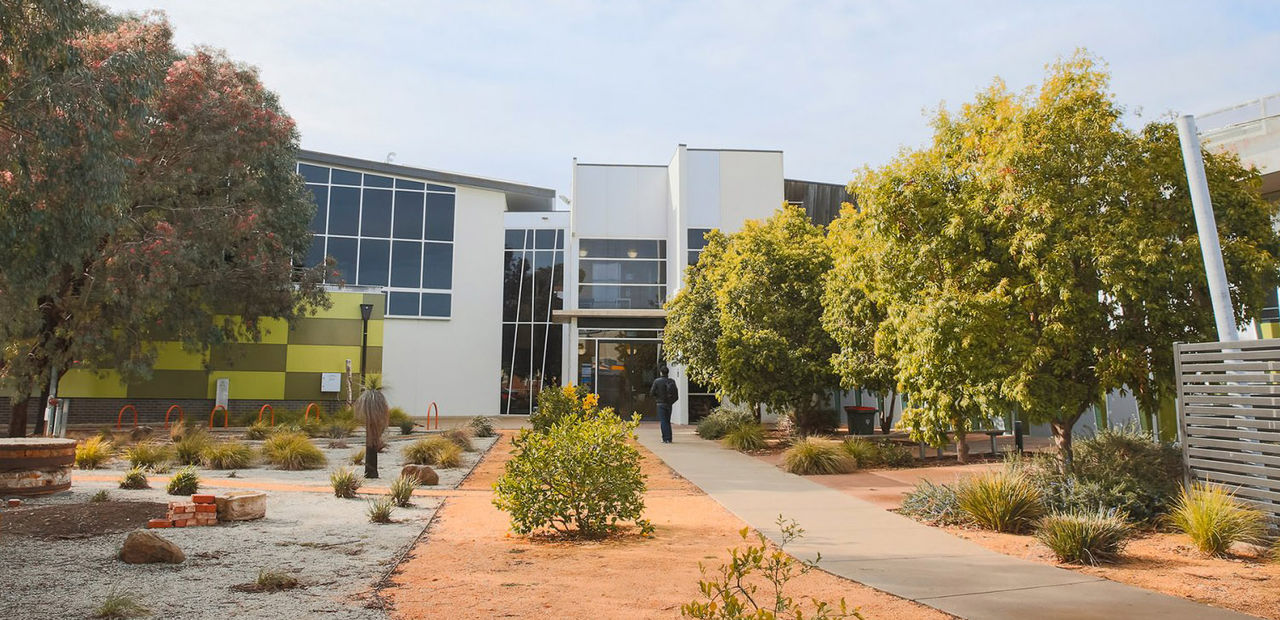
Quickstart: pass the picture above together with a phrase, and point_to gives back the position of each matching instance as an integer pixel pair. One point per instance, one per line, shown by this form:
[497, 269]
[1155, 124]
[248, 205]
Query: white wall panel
[620, 201]
[702, 208]
[750, 186]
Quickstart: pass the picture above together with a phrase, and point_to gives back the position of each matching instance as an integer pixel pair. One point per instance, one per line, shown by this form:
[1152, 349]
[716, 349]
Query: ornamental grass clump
[148, 455]
[814, 455]
[1000, 501]
[436, 450]
[189, 448]
[292, 451]
[398, 418]
[934, 503]
[482, 426]
[401, 489]
[135, 478]
[745, 438]
[870, 453]
[226, 455]
[185, 482]
[120, 606]
[724, 419]
[345, 482]
[581, 477]
[259, 430]
[1214, 519]
[93, 453]
[461, 437]
[380, 510]
[1085, 537]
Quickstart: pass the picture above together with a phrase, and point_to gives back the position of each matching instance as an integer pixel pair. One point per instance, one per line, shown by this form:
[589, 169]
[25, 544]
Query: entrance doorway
[620, 366]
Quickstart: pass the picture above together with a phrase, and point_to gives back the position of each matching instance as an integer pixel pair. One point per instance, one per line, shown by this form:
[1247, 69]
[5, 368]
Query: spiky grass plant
[1085, 537]
[815, 455]
[357, 456]
[258, 430]
[861, 450]
[100, 497]
[345, 482]
[93, 453]
[934, 503]
[120, 606]
[274, 581]
[227, 455]
[380, 510]
[482, 426]
[745, 438]
[437, 451]
[402, 489]
[189, 449]
[135, 478]
[1215, 519]
[148, 455]
[1000, 501]
[461, 437]
[292, 451]
[185, 482]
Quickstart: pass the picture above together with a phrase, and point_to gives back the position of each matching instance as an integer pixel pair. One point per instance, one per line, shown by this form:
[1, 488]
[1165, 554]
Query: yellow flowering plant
[555, 404]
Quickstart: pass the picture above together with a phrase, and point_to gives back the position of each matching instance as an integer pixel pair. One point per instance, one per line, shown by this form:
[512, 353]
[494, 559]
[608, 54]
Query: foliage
[380, 510]
[745, 438]
[722, 420]
[693, 316]
[433, 451]
[1000, 501]
[401, 489]
[1085, 537]
[92, 453]
[482, 426]
[226, 455]
[870, 453]
[179, 430]
[274, 581]
[189, 448]
[461, 437]
[1214, 519]
[147, 455]
[185, 482]
[398, 418]
[135, 478]
[292, 451]
[345, 482]
[732, 593]
[372, 410]
[120, 606]
[555, 404]
[357, 456]
[581, 475]
[934, 503]
[258, 430]
[100, 497]
[339, 428]
[813, 455]
[814, 421]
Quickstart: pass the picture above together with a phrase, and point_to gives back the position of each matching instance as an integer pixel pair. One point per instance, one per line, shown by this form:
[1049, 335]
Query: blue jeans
[664, 420]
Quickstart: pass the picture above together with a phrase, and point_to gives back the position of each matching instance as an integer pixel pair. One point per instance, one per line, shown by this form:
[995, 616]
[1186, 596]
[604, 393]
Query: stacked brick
[201, 510]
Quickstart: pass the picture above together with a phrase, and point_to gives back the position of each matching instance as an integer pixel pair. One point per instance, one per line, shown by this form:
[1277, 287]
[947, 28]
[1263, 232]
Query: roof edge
[425, 174]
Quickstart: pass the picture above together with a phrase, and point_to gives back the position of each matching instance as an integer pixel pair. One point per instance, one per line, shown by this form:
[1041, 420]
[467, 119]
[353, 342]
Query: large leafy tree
[692, 331]
[188, 213]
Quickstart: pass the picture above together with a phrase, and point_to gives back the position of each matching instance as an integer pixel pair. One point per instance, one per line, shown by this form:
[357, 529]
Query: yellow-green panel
[347, 306]
[375, 333]
[1269, 329]
[273, 331]
[322, 358]
[171, 356]
[327, 332]
[88, 384]
[247, 384]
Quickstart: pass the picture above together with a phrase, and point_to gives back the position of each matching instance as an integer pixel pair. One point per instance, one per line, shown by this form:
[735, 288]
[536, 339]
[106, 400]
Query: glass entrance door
[620, 366]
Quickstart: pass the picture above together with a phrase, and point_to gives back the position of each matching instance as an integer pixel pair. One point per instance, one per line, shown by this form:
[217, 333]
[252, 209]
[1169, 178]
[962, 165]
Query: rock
[421, 473]
[241, 505]
[143, 547]
[140, 433]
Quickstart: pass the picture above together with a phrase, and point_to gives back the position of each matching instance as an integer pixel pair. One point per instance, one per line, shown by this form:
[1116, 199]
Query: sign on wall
[223, 392]
[331, 382]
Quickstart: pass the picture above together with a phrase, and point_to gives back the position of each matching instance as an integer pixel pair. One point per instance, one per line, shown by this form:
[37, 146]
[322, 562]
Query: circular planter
[35, 465]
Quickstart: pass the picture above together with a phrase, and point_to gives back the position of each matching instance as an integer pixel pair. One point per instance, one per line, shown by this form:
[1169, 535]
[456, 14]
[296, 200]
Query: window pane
[408, 222]
[373, 180]
[515, 239]
[406, 263]
[404, 304]
[315, 255]
[437, 265]
[375, 213]
[440, 217]
[345, 177]
[314, 174]
[344, 211]
[343, 251]
[560, 239]
[513, 275]
[546, 239]
[403, 184]
[439, 188]
[693, 257]
[374, 254]
[622, 248]
[697, 239]
[435, 304]
[623, 271]
[609, 296]
[320, 195]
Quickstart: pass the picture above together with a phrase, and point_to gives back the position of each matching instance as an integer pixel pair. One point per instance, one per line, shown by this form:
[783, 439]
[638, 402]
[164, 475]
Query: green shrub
[292, 451]
[92, 453]
[582, 475]
[339, 428]
[226, 455]
[401, 490]
[120, 606]
[345, 482]
[813, 455]
[380, 510]
[258, 430]
[1085, 537]
[100, 497]
[398, 418]
[1000, 501]
[135, 478]
[436, 450]
[745, 438]
[555, 404]
[189, 449]
[934, 503]
[871, 453]
[1215, 519]
[147, 455]
[185, 482]
[312, 428]
[481, 426]
[722, 420]
[461, 437]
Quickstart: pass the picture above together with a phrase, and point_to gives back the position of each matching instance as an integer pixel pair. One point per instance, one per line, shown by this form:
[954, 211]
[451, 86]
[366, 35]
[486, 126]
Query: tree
[693, 317]
[372, 410]
[186, 226]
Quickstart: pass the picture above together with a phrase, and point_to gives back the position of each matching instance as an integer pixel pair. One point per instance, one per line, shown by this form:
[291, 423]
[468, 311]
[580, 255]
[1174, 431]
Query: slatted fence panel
[1229, 416]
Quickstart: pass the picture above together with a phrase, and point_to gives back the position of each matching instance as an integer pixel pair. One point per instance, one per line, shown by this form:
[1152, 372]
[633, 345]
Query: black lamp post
[370, 442]
[366, 311]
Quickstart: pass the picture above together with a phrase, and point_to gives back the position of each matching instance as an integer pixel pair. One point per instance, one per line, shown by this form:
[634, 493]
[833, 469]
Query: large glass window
[620, 366]
[533, 287]
[697, 241]
[373, 227]
[622, 273]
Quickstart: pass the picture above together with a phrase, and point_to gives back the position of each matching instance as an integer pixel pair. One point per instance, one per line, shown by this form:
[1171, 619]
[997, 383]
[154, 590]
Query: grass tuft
[437, 451]
[148, 455]
[481, 426]
[460, 437]
[292, 451]
[274, 581]
[1000, 501]
[745, 438]
[189, 449]
[185, 482]
[135, 478]
[357, 456]
[120, 605]
[227, 455]
[1215, 519]
[345, 482]
[402, 489]
[258, 430]
[814, 455]
[93, 453]
[100, 497]
[380, 510]
[1085, 537]
[934, 503]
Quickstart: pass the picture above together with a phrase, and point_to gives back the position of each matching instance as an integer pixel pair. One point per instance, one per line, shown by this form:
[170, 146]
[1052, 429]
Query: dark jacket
[665, 390]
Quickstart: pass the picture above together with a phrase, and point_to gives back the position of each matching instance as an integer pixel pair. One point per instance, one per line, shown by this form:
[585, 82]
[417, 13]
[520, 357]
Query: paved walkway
[889, 552]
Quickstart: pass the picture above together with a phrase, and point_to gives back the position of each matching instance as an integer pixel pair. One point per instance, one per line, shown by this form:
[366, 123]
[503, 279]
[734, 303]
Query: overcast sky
[516, 90]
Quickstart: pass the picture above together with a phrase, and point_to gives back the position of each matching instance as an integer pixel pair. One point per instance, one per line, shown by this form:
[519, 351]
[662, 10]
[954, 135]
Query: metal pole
[1207, 228]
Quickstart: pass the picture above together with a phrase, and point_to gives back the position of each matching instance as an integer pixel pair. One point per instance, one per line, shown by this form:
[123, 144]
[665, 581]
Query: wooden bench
[991, 434]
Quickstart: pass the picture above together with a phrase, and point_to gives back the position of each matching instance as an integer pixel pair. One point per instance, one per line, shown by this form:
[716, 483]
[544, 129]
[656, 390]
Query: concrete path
[893, 553]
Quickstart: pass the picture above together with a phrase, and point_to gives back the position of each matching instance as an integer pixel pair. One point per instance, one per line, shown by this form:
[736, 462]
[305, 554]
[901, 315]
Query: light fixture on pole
[366, 311]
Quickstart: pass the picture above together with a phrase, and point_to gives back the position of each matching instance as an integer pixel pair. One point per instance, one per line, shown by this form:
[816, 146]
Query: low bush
[185, 482]
[100, 497]
[259, 430]
[934, 503]
[345, 482]
[813, 455]
[461, 437]
[872, 453]
[401, 490]
[398, 418]
[292, 451]
[311, 427]
[1214, 519]
[135, 478]
[226, 455]
[481, 426]
[93, 453]
[148, 455]
[380, 510]
[1000, 501]
[1085, 537]
[581, 476]
[745, 438]
[723, 419]
[189, 449]
[339, 428]
[120, 606]
[433, 451]
[555, 404]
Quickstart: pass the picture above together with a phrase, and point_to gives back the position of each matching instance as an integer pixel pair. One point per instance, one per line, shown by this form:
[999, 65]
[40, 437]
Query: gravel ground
[325, 542]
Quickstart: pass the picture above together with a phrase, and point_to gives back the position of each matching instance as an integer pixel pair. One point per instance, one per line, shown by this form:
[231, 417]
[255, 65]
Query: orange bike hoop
[181, 416]
[120, 416]
[215, 412]
[308, 412]
[433, 408]
[267, 408]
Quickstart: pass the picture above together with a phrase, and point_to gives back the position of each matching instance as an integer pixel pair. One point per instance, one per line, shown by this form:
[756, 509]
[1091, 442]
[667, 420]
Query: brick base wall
[104, 411]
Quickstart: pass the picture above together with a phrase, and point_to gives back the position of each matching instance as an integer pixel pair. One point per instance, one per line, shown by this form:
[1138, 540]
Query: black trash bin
[862, 420]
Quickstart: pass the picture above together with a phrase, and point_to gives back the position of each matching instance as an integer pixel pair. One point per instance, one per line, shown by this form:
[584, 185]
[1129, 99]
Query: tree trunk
[962, 447]
[41, 408]
[18, 416]
[886, 421]
[1062, 439]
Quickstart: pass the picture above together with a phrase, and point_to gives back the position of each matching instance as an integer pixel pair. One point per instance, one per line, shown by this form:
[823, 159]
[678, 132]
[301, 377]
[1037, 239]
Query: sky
[516, 90]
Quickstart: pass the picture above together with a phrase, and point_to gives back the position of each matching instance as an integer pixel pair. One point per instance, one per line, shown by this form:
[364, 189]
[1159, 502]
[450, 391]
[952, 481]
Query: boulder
[143, 547]
[241, 505]
[422, 474]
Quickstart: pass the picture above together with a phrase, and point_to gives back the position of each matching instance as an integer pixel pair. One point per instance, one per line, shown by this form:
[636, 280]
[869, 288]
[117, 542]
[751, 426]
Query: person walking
[666, 393]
